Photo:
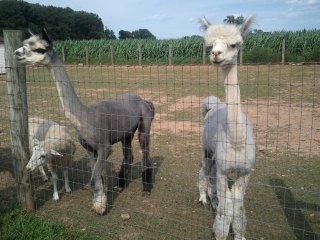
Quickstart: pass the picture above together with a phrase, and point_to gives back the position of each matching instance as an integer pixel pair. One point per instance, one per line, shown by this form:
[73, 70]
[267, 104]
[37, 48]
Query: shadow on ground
[295, 211]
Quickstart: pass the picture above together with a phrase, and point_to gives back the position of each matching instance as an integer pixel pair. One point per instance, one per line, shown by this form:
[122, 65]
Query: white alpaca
[51, 145]
[228, 144]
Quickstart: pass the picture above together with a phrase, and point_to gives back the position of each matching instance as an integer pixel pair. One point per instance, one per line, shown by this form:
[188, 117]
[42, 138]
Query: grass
[17, 224]
[282, 200]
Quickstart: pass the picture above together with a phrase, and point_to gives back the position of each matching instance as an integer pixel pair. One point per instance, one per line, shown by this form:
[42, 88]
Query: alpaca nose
[17, 53]
[216, 53]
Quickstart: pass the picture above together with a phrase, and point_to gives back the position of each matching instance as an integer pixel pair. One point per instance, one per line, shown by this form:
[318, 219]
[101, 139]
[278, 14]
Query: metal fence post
[18, 118]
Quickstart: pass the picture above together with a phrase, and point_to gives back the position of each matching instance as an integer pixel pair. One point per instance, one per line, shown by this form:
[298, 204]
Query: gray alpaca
[228, 144]
[99, 125]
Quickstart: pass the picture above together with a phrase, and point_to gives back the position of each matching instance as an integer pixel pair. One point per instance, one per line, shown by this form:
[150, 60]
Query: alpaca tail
[209, 103]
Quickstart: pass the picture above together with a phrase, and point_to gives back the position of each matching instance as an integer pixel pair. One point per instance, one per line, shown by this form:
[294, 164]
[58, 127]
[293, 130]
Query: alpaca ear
[204, 23]
[36, 142]
[30, 32]
[246, 25]
[55, 153]
[45, 36]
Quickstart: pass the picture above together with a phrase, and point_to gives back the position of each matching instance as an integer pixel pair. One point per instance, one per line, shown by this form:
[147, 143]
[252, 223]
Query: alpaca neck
[232, 98]
[72, 106]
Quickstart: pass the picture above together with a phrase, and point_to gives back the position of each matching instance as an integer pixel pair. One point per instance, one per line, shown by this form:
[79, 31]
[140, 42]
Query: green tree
[234, 20]
[61, 23]
[124, 34]
[109, 34]
[142, 34]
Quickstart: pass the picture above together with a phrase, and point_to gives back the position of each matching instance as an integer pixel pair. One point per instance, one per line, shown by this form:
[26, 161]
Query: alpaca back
[209, 103]
[58, 138]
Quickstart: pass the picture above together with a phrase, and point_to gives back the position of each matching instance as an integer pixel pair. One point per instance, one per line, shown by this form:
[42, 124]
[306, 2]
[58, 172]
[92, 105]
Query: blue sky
[178, 18]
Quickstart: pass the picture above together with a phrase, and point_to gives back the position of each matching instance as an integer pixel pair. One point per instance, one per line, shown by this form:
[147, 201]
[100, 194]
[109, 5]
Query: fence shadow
[294, 210]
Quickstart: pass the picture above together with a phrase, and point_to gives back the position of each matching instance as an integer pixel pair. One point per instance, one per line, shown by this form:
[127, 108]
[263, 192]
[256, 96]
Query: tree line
[61, 23]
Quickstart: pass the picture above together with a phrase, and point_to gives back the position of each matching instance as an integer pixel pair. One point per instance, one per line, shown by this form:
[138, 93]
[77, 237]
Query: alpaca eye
[233, 45]
[40, 50]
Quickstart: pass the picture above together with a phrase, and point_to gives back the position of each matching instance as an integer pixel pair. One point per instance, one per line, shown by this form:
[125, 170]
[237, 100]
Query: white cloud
[302, 2]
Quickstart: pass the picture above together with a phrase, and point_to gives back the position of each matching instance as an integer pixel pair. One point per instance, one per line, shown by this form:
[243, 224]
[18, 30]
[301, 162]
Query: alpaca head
[35, 49]
[224, 40]
[40, 155]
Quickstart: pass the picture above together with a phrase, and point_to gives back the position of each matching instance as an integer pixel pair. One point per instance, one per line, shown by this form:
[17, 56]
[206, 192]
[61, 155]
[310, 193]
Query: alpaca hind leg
[144, 140]
[99, 196]
[126, 163]
[205, 186]
[239, 221]
[54, 178]
[66, 181]
[224, 213]
[212, 183]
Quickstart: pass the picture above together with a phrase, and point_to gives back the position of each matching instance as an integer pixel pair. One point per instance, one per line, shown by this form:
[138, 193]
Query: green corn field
[301, 46]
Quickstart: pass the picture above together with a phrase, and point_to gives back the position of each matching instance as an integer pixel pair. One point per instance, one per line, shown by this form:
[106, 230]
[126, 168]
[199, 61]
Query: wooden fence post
[204, 53]
[170, 54]
[111, 55]
[18, 118]
[283, 51]
[241, 55]
[63, 56]
[139, 55]
[87, 56]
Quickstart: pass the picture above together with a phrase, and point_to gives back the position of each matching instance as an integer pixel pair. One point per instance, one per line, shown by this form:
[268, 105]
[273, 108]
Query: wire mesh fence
[282, 200]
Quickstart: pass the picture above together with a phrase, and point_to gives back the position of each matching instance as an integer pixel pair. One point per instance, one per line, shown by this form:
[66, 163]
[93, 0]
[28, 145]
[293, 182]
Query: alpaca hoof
[117, 189]
[45, 178]
[146, 194]
[147, 187]
[68, 190]
[99, 204]
[55, 196]
[239, 238]
[203, 199]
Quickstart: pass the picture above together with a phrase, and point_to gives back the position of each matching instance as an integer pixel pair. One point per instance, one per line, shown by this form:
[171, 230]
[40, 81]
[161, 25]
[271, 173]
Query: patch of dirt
[284, 127]
[278, 126]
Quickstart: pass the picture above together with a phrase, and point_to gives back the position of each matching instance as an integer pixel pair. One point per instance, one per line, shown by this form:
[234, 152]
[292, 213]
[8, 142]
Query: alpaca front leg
[54, 178]
[43, 174]
[224, 213]
[239, 222]
[99, 196]
[66, 181]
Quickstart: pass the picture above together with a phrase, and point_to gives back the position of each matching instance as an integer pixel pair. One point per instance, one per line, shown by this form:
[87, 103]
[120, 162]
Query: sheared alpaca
[99, 125]
[228, 143]
[51, 144]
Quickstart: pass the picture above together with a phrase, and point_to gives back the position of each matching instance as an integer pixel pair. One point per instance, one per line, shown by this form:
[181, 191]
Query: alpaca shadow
[79, 178]
[8, 193]
[79, 174]
[134, 174]
[294, 210]
[6, 160]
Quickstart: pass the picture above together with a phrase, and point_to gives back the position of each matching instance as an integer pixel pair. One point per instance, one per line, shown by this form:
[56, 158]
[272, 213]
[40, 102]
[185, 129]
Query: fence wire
[282, 103]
